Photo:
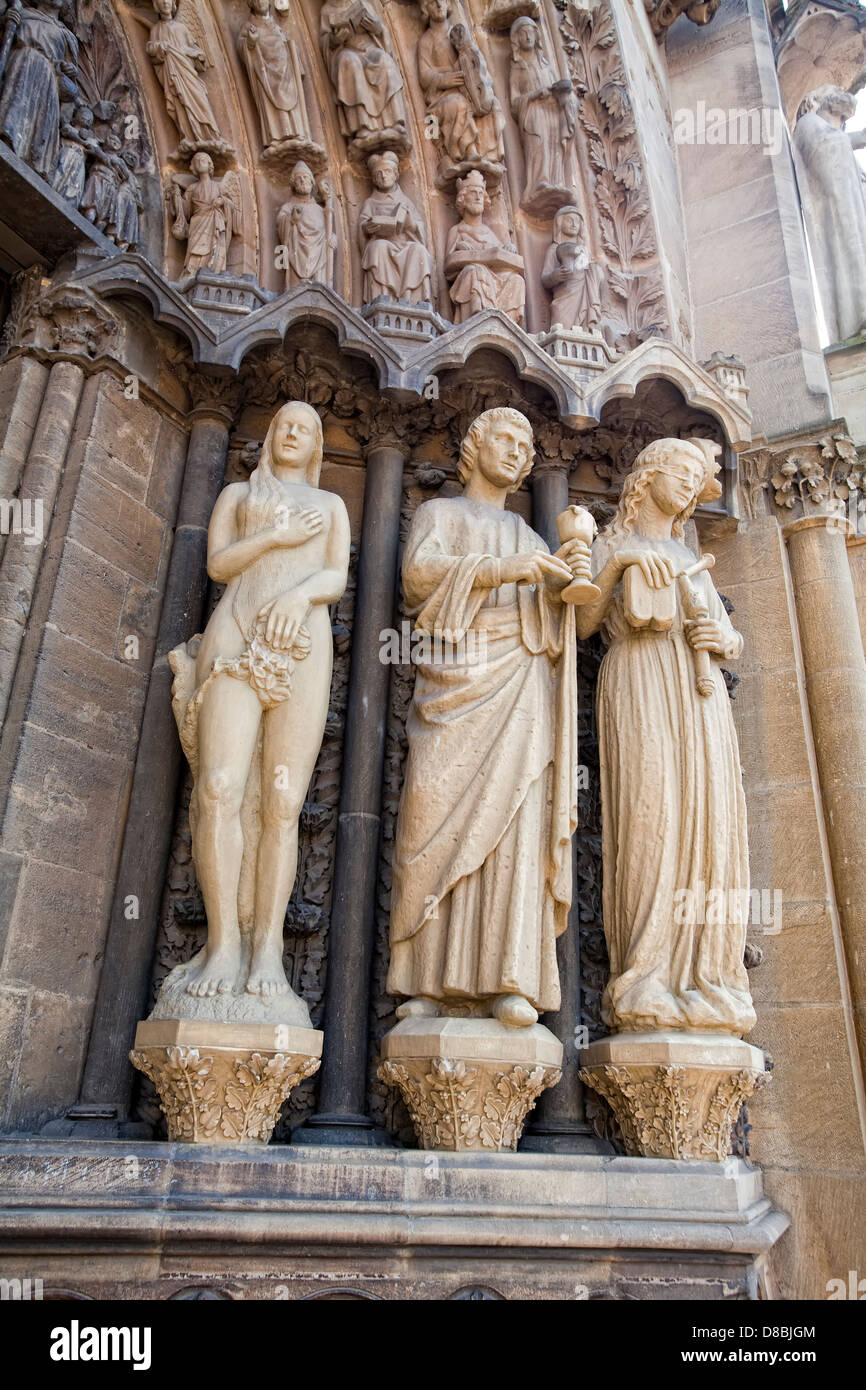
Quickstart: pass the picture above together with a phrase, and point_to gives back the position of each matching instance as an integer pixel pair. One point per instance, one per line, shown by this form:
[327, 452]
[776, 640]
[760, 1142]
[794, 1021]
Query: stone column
[834, 670]
[106, 1089]
[341, 1117]
[40, 481]
[559, 1123]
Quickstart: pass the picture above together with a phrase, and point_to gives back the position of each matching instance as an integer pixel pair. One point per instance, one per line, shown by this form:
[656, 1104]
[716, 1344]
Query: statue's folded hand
[285, 616]
[294, 528]
[576, 554]
[657, 568]
[708, 635]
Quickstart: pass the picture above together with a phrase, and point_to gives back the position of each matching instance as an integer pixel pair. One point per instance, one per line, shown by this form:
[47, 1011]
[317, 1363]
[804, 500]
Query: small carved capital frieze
[819, 478]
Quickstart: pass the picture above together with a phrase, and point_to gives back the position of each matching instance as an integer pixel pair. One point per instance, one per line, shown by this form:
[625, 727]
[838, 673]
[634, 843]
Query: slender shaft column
[39, 486]
[122, 999]
[834, 669]
[559, 1123]
[341, 1116]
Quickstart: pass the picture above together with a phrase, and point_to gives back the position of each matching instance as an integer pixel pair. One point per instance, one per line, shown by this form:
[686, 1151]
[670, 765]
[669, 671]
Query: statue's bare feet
[216, 976]
[418, 1008]
[267, 976]
[514, 1011]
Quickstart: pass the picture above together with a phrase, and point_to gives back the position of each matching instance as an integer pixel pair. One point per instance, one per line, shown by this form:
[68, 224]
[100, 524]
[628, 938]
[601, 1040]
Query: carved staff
[695, 607]
[13, 19]
[330, 230]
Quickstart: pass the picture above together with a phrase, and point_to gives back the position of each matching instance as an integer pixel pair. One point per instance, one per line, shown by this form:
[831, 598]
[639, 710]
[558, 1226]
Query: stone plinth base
[469, 1083]
[224, 1083]
[582, 353]
[160, 1221]
[416, 323]
[674, 1095]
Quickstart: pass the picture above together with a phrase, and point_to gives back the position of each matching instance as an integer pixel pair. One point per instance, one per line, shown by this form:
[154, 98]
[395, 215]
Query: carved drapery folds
[367, 82]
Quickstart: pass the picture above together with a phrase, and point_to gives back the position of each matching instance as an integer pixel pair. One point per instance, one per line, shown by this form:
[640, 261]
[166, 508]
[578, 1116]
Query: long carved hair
[650, 461]
[474, 439]
[263, 484]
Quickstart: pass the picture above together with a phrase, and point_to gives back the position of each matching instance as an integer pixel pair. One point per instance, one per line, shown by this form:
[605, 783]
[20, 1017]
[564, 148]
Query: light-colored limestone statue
[270, 61]
[482, 873]
[394, 257]
[545, 109]
[228, 1038]
[674, 845]
[306, 229]
[482, 857]
[485, 272]
[458, 91]
[367, 81]
[251, 704]
[40, 74]
[687, 829]
[835, 206]
[178, 62]
[576, 282]
[206, 214]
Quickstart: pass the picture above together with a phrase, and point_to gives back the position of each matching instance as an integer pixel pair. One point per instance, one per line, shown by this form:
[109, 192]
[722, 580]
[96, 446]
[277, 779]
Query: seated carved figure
[367, 80]
[394, 258]
[486, 273]
[457, 88]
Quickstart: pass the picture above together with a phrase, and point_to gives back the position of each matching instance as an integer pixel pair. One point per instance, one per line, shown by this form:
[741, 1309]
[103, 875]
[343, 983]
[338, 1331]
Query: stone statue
[178, 61]
[835, 208]
[99, 200]
[306, 229]
[486, 273]
[675, 853]
[40, 74]
[575, 282]
[129, 204]
[270, 61]
[482, 858]
[545, 109]
[458, 91]
[206, 214]
[394, 256]
[77, 141]
[366, 78]
[251, 698]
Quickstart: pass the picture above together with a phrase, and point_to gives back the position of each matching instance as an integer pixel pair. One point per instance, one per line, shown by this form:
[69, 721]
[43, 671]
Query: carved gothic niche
[819, 45]
[656, 411]
[633, 298]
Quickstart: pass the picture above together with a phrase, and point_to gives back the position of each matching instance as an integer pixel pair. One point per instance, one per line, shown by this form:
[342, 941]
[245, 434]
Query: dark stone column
[558, 1124]
[341, 1117]
[106, 1089]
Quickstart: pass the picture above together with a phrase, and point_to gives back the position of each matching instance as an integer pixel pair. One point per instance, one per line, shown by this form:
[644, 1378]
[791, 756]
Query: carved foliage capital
[458, 1105]
[64, 319]
[819, 477]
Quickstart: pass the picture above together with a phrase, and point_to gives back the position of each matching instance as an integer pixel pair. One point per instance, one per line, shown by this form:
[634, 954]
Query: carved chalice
[577, 524]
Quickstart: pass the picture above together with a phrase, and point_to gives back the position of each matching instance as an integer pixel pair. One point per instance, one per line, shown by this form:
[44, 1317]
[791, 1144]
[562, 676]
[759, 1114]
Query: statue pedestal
[674, 1095]
[469, 1083]
[394, 318]
[224, 1083]
[583, 354]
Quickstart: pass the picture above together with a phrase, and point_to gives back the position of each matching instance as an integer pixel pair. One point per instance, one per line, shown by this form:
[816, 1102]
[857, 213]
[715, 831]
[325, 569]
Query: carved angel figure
[206, 214]
[178, 61]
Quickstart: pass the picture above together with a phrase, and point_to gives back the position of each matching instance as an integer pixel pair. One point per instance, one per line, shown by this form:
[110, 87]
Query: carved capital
[461, 1106]
[820, 478]
[66, 320]
[662, 13]
[222, 1095]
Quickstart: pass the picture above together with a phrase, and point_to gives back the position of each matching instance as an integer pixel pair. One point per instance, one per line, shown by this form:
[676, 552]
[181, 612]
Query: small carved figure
[545, 109]
[457, 89]
[395, 258]
[306, 229]
[177, 61]
[366, 79]
[77, 141]
[126, 230]
[270, 61]
[486, 272]
[206, 215]
[99, 202]
[576, 282]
